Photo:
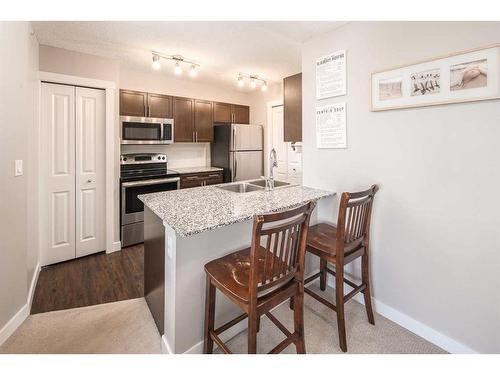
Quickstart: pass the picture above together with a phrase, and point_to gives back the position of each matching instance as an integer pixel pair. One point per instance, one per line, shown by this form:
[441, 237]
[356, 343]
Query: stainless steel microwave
[146, 130]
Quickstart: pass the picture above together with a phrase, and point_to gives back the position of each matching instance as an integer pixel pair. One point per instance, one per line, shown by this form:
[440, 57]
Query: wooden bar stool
[261, 277]
[340, 245]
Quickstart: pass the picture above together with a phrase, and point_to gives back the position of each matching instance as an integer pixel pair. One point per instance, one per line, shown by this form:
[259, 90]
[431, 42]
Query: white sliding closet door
[90, 171]
[72, 169]
[57, 169]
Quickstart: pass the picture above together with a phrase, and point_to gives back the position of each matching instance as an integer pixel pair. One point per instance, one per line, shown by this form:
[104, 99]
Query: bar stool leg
[298, 320]
[339, 299]
[322, 277]
[208, 344]
[365, 272]
[252, 333]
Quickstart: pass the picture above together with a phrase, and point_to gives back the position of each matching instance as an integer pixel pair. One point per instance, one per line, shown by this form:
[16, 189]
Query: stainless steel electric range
[141, 174]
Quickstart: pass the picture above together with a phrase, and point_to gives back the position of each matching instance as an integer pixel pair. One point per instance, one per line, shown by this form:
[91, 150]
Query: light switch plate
[18, 168]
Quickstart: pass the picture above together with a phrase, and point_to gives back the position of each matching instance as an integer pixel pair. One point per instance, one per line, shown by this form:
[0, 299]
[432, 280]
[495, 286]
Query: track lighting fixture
[179, 61]
[254, 81]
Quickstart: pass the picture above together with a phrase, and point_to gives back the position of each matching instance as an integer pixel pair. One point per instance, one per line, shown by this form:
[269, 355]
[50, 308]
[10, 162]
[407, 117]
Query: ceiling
[271, 50]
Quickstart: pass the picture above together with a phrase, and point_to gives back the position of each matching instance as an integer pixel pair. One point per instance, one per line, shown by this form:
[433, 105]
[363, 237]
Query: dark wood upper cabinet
[292, 104]
[133, 103]
[193, 118]
[159, 106]
[203, 121]
[183, 111]
[241, 114]
[222, 113]
[231, 113]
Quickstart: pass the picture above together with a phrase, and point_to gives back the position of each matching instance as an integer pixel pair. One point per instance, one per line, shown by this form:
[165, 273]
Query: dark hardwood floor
[95, 279]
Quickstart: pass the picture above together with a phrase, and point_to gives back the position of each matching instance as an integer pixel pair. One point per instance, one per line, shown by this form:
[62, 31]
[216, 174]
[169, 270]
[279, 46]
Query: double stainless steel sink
[254, 185]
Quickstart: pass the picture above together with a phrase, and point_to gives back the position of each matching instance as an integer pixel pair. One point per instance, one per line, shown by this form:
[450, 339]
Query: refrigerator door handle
[234, 137]
[235, 168]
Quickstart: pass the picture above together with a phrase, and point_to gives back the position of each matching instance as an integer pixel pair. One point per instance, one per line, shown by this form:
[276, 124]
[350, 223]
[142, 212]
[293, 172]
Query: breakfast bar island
[185, 229]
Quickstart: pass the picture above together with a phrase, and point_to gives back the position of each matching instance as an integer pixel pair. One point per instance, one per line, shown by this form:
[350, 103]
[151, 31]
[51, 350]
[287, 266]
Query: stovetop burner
[135, 167]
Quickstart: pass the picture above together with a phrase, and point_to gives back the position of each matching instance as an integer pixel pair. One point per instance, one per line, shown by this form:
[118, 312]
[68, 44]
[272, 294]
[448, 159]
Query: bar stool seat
[231, 273]
[322, 241]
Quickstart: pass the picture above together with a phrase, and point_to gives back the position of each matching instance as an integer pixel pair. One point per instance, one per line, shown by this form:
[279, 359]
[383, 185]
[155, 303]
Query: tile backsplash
[179, 154]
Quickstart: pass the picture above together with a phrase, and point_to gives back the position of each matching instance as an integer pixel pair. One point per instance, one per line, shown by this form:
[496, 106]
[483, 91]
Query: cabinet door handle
[145, 111]
[149, 111]
[196, 136]
[193, 136]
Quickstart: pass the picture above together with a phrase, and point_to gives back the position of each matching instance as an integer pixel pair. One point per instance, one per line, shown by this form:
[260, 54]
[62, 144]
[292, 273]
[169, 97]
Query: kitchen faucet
[273, 163]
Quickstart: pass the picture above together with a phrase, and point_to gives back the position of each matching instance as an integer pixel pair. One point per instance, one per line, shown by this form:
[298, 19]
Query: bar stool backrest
[278, 248]
[353, 224]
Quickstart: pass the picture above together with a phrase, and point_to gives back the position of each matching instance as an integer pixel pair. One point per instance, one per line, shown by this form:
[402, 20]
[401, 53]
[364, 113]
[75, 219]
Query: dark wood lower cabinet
[201, 179]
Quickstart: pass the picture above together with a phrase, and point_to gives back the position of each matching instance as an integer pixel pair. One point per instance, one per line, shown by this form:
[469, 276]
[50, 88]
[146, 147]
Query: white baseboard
[165, 348]
[8, 329]
[412, 325]
[117, 246]
[14, 322]
[34, 281]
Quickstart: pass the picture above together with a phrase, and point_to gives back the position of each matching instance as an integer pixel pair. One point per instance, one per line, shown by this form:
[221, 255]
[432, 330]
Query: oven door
[146, 130]
[132, 207]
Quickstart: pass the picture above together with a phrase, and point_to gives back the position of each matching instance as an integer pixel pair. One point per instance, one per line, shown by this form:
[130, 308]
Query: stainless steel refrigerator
[238, 148]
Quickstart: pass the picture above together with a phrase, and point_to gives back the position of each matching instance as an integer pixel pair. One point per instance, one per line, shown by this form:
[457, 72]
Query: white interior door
[278, 143]
[57, 166]
[90, 171]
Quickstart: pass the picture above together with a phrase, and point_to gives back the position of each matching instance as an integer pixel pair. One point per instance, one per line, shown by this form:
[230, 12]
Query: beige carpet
[321, 331]
[128, 327]
[118, 327]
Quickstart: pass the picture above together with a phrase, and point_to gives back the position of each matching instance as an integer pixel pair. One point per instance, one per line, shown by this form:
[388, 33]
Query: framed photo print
[460, 77]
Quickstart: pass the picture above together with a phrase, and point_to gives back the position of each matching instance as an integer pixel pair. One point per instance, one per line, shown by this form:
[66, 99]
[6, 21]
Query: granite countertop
[186, 170]
[192, 211]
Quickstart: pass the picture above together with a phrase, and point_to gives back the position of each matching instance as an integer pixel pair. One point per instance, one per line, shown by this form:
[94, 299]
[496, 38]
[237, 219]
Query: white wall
[436, 239]
[18, 140]
[259, 115]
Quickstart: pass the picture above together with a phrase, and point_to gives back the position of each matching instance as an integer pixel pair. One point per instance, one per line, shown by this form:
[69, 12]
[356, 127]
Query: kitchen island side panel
[154, 267]
[192, 253]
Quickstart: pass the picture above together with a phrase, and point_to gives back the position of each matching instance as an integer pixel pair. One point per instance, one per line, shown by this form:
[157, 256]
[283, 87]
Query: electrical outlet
[18, 170]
